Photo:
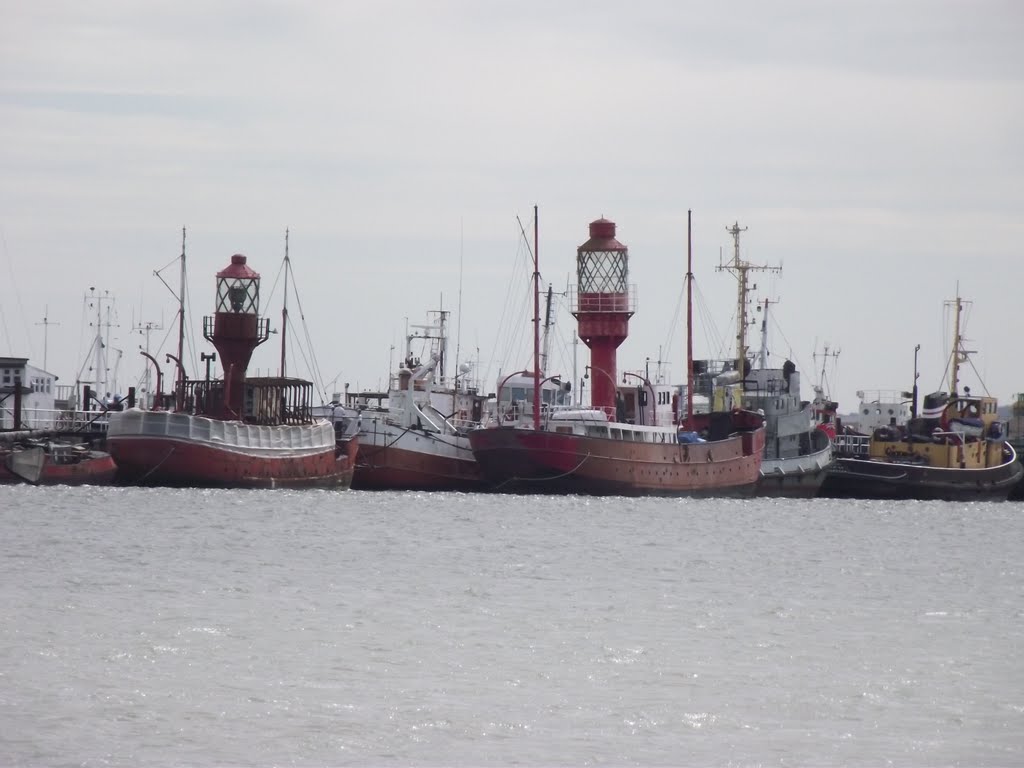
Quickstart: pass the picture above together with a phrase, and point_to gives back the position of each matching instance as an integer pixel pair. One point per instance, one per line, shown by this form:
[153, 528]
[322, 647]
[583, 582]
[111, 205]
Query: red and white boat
[632, 440]
[44, 462]
[32, 448]
[235, 432]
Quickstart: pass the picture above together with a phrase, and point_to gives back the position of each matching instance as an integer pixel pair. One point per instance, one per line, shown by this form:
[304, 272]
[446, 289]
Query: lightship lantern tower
[236, 328]
[603, 306]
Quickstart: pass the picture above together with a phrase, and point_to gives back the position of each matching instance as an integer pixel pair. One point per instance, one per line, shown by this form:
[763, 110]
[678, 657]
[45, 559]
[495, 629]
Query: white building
[37, 398]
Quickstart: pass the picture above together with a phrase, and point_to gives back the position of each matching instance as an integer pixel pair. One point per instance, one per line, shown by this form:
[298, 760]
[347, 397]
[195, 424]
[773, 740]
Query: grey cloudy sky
[873, 149]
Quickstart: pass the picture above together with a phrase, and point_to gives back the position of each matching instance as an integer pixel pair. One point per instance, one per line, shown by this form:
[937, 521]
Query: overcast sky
[872, 149]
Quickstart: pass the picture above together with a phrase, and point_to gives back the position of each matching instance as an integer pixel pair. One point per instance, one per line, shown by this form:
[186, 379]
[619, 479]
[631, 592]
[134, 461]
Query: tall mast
[442, 344]
[458, 325]
[46, 328]
[546, 343]
[284, 308]
[181, 318]
[689, 319]
[99, 346]
[101, 367]
[763, 354]
[536, 323]
[960, 355]
[741, 269]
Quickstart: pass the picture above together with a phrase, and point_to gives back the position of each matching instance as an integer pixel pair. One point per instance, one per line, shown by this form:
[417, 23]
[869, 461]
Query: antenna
[960, 354]
[825, 355]
[95, 301]
[763, 354]
[46, 327]
[741, 268]
[145, 329]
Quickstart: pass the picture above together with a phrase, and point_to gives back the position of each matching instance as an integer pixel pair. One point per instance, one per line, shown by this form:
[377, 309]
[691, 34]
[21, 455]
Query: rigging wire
[518, 296]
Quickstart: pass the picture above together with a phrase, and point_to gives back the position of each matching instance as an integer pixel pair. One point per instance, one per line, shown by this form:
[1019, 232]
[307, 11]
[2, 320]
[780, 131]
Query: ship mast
[46, 328]
[101, 370]
[763, 354]
[284, 307]
[689, 320]
[960, 355]
[536, 324]
[181, 317]
[546, 342]
[741, 269]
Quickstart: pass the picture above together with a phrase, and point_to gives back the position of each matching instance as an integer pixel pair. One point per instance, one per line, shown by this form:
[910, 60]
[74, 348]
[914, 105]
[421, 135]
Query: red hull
[524, 460]
[98, 469]
[164, 461]
[389, 469]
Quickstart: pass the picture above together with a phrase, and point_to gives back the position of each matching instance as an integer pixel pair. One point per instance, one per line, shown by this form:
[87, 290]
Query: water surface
[210, 628]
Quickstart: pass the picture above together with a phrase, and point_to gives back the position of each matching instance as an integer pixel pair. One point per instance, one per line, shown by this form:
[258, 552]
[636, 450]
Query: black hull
[804, 485]
[863, 479]
[1017, 492]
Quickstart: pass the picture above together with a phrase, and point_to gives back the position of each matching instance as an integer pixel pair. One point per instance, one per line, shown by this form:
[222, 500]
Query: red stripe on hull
[524, 460]
[383, 469]
[168, 462]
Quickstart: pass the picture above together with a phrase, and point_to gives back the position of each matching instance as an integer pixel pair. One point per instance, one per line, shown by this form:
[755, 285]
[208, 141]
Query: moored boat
[48, 462]
[955, 451]
[33, 448]
[235, 432]
[538, 444]
[414, 436]
[796, 453]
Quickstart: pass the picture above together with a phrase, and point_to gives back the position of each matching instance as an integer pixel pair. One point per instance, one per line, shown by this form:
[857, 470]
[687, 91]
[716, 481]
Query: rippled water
[161, 627]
